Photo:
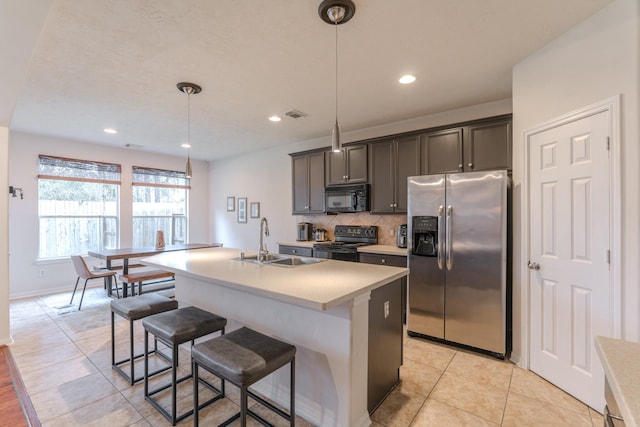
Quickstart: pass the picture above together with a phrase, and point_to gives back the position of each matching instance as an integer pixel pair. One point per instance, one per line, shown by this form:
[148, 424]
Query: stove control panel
[356, 233]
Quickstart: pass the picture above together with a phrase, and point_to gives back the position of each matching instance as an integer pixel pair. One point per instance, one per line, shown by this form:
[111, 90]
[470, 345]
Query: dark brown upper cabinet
[348, 166]
[476, 147]
[442, 151]
[390, 163]
[308, 183]
[488, 146]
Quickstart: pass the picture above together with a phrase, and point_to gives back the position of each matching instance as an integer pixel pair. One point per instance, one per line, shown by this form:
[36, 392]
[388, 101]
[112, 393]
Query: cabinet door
[407, 164]
[300, 175]
[382, 183]
[356, 164]
[316, 182]
[295, 250]
[441, 151]
[390, 260]
[335, 167]
[488, 147]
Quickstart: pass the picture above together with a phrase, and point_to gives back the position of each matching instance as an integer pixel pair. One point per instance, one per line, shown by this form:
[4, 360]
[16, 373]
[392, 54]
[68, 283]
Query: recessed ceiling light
[275, 118]
[407, 79]
[109, 130]
[186, 145]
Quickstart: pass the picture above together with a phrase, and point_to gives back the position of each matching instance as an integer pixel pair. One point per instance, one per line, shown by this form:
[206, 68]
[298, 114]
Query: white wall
[595, 60]
[59, 275]
[265, 177]
[5, 337]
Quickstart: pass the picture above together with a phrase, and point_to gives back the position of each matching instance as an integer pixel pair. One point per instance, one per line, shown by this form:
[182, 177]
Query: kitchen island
[321, 308]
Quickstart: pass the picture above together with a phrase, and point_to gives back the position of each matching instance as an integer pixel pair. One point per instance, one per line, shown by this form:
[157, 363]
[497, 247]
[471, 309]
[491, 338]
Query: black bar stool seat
[173, 328]
[133, 309]
[244, 357]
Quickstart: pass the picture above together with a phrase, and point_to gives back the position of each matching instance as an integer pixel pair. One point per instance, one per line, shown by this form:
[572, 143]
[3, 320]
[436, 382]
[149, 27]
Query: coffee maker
[305, 232]
[401, 236]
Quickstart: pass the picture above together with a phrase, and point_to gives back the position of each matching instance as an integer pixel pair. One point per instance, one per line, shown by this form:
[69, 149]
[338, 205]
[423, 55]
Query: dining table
[125, 254]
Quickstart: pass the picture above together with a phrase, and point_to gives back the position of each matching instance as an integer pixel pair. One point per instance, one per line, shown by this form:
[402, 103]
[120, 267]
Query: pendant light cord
[336, 25]
[189, 120]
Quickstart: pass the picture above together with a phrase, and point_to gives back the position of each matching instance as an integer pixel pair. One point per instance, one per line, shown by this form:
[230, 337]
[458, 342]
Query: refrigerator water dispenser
[425, 236]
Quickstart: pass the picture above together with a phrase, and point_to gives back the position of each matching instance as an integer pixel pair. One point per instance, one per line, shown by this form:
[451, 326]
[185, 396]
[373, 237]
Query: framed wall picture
[242, 209]
[255, 209]
[231, 204]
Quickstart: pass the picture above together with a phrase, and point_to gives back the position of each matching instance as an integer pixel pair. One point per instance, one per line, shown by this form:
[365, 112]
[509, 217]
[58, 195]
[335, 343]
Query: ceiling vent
[295, 114]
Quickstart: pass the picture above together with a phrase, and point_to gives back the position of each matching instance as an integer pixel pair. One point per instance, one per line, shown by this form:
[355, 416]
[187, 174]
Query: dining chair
[83, 272]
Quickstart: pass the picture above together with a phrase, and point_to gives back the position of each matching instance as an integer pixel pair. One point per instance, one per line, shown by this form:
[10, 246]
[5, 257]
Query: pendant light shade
[189, 89]
[336, 143]
[188, 170]
[336, 12]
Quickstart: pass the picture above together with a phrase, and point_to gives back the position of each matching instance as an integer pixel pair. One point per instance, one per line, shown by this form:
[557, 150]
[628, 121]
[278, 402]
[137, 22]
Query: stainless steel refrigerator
[458, 283]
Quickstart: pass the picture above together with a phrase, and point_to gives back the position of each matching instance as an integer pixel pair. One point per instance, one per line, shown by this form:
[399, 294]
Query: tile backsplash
[387, 224]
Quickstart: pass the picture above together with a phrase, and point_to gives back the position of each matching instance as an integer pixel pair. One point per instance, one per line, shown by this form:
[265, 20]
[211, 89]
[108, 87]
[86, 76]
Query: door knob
[533, 265]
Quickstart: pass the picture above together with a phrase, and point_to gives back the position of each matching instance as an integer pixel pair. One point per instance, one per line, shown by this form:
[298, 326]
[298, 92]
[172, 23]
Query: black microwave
[347, 198]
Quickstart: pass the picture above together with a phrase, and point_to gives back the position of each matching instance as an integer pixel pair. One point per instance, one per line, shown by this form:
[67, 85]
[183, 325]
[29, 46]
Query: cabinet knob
[383, 261]
[294, 251]
[391, 205]
[470, 165]
[460, 166]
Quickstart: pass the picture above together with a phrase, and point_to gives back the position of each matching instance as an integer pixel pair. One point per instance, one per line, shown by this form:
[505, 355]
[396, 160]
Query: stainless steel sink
[281, 260]
[294, 261]
[268, 258]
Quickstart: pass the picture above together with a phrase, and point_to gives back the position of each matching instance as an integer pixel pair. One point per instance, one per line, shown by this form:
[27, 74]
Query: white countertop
[383, 250]
[621, 363]
[319, 286]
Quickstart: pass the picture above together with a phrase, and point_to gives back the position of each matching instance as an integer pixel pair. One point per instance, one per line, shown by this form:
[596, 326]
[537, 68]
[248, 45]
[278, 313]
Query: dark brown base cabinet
[386, 317]
[295, 250]
[308, 183]
[385, 342]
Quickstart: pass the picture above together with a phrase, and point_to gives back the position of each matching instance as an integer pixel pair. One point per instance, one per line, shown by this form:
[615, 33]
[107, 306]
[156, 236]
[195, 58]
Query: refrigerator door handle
[449, 226]
[440, 236]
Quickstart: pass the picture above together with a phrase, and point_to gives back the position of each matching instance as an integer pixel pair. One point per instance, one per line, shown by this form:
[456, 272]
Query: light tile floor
[65, 361]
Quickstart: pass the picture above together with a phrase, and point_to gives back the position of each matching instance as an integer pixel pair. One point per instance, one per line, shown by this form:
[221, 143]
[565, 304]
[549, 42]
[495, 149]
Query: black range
[348, 238]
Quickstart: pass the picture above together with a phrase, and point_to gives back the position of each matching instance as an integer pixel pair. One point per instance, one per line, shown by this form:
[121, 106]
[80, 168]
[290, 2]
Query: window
[160, 200]
[77, 206]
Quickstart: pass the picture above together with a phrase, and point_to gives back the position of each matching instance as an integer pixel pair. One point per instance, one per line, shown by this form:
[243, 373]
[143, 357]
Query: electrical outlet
[42, 273]
[386, 309]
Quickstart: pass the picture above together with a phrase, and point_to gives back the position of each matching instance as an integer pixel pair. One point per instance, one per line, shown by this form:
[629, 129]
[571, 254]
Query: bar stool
[173, 328]
[244, 357]
[132, 309]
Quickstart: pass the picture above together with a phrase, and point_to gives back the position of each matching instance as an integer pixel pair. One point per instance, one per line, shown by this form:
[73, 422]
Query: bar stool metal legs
[172, 329]
[133, 309]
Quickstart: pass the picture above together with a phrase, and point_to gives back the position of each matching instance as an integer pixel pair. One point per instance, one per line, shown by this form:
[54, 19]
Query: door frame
[611, 105]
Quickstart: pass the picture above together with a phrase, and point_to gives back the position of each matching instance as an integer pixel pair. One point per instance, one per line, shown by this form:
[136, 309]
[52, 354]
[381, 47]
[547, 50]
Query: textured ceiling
[116, 63]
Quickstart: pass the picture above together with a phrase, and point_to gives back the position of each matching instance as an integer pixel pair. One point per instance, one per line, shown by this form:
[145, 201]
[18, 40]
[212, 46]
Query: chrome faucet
[264, 231]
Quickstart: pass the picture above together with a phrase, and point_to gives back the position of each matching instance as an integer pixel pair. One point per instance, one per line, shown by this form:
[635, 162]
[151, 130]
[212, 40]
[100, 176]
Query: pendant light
[336, 12]
[189, 89]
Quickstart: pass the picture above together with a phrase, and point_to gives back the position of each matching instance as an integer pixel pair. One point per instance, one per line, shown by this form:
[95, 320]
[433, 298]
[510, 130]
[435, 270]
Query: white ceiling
[116, 63]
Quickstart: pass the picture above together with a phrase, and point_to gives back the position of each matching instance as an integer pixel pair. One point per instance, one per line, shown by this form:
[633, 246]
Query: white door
[569, 254]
